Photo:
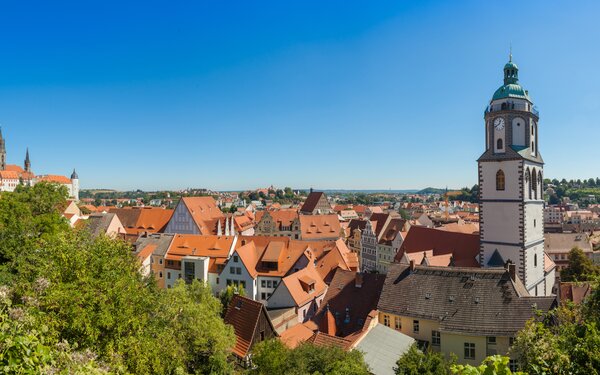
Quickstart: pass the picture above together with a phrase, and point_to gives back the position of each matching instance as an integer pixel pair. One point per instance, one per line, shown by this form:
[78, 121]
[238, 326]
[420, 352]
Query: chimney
[358, 280]
[512, 271]
[412, 265]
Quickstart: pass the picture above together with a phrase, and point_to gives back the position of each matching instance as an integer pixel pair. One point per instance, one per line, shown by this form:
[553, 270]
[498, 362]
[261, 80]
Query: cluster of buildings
[457, 277]
[12, 175]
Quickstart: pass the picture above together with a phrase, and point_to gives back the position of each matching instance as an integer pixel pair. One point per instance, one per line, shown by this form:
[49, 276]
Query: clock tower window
[500, 180]
[499, 144]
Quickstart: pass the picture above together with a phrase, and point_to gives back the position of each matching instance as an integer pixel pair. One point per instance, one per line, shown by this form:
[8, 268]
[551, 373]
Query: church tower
[2, 152]
[511, 205]
[27, 163]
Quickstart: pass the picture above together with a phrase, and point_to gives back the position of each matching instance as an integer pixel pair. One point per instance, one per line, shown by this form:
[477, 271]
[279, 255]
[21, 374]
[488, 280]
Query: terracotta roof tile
[244, 314]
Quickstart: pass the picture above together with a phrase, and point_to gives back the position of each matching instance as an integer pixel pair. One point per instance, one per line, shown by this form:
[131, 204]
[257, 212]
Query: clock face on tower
[499, 123]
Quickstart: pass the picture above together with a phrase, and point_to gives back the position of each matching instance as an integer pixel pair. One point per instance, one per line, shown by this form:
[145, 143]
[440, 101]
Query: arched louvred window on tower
[534, 185]
[499, 144]
[541, 182]
[500, 180]
[528, 181]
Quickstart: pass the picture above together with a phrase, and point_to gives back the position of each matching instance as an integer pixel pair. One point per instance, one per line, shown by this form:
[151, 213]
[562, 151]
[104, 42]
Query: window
[160, 261]
[263, 283]
[160, 275]
[232, 270]
[397, 323]
[535, 260]
[415, 326]
[511, 341]
[269, 284]
[435, 338]
[500, 180]
[499, 144]
[243, 284]
[263, 296]
[169, 275]
[238, 270]
[513, 365]
[469, 350]
[386, 320]
[262, 335]
[217, 281]
[235, 258]
[274, 283]
[491, 340]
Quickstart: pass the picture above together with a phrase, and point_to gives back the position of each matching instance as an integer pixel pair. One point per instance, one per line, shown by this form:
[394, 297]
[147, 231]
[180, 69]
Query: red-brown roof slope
[311, 201]
[351, 296]
[243, 314]
[463, 247]
[314, 227]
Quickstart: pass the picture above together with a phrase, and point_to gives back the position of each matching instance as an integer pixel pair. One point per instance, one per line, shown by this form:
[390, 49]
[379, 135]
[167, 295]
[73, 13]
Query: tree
[227, 294]
[416, 362]
[580, 267]
[493, 365]
[273, 357]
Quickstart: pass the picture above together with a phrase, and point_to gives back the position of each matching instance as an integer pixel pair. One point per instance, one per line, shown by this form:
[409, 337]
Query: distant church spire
[27, 161]
[2, 152]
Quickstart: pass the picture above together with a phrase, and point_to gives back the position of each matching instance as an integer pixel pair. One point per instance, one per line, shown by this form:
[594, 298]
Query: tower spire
[510, 53]
[27, 161]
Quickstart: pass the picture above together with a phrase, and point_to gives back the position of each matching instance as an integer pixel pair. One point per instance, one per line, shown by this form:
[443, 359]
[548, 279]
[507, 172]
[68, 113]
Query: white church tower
[511, 186]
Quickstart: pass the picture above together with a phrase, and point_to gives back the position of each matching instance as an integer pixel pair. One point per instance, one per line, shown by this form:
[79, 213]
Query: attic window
[476, 299]
[238, 305]
[451, 298]
[427, 295]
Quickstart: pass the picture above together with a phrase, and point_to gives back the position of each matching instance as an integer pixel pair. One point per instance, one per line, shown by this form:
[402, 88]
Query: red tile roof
[319, 226]
[244, 314]
[204, 212]
[311, 201]
[463, 247]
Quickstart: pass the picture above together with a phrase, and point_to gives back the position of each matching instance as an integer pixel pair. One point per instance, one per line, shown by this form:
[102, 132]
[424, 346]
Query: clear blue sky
[330, 94]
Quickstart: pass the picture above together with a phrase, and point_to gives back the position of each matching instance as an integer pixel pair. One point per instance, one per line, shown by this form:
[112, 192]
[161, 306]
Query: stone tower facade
[511, 173]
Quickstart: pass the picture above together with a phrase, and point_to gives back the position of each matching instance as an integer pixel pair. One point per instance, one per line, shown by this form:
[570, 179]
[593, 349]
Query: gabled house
[251, 325]
[279, 223]
[196, 215]
[316, 204]
[471, 312]
[150, 250]
[303, 290]
[107, 224]
[138, 220]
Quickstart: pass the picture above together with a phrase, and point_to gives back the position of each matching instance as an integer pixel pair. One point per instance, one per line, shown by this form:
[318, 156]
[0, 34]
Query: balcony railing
[512, 107]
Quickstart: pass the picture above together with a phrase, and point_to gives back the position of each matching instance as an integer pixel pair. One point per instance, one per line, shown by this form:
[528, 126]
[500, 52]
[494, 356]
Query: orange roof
[339, 256]
[323, 339]
[138, 220]
[205, 212]
[301, 294]
[249, 256]
[9, 175]
[146, 252]
[267, 248]
[14, 168]
[199, 245]
[319, 226]
[55, 178]
[296, 335]
[469, 228]
[548, 263]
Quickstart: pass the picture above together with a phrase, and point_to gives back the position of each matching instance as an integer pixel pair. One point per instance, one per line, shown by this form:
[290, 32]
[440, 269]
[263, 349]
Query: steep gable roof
[244, 314]
[311, 202]
[299, 285]
[204, 212]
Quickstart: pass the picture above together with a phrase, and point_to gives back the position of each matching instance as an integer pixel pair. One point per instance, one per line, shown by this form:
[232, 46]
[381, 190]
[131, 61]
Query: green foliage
[227, 294]
[416, 362]
[78, 304]
[580, 267]
[567, 342]
[494, 365]
[273, 357]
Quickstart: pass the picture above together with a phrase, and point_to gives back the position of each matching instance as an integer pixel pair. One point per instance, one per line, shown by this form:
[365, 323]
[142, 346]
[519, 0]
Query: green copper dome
[511, 87]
